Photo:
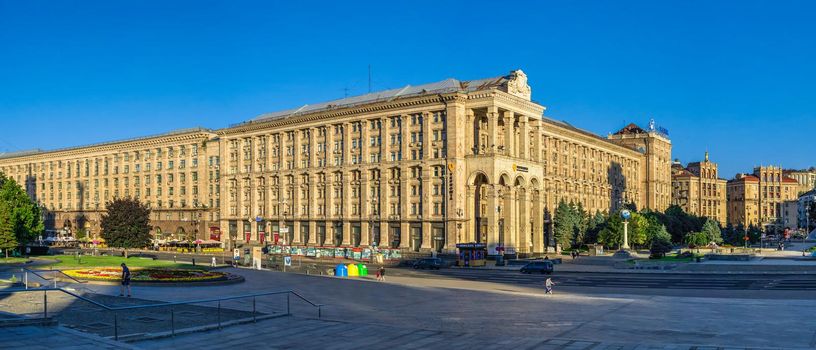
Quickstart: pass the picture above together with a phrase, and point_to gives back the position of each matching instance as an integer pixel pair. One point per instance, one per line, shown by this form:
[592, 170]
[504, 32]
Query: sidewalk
[608, 265]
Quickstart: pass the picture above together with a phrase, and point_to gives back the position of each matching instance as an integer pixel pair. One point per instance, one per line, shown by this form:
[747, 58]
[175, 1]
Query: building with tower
[698, 189]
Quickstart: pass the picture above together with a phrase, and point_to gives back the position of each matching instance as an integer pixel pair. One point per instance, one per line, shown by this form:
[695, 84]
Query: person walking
[548, 286]
[213, 262]
[381, 274]
[125, 281]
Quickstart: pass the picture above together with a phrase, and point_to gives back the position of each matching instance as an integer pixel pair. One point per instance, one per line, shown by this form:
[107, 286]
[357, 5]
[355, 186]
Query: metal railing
[54, 273]
[171, 305]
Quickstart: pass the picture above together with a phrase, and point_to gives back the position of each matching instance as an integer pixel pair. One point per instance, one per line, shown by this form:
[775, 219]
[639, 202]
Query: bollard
[45, 305]
[172, 322]
[253, 310]
[287, 304]
[193, 261]
[219, 314]
[319, 311]
[115, 326]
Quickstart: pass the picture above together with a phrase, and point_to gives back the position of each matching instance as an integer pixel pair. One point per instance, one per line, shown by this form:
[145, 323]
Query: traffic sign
[287, 261]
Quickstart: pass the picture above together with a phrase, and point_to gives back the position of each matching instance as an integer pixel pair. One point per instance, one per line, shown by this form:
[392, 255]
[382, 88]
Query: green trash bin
[362, 270]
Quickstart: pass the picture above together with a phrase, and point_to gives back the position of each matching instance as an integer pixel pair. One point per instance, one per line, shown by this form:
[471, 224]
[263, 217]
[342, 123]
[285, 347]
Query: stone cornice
[376, 107]
[591, 139]
[84, 151]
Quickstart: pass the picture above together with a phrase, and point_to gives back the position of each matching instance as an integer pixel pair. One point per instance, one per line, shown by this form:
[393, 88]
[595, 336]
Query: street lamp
[625, 214]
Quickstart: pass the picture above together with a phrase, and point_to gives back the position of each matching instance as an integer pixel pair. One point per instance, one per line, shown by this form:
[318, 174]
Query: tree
[126, 224]
[26, 217]
[612, 233]
[8, 240]
[696, 239]
[594, 226]
[564, 223]
[637, 229]
[712, 230]
[660, 245]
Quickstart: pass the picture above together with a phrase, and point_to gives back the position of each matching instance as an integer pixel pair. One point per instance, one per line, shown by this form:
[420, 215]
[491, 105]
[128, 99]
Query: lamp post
[625, 215]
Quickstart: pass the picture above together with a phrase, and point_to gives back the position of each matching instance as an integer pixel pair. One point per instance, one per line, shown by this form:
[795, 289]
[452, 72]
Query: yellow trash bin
[353, 270]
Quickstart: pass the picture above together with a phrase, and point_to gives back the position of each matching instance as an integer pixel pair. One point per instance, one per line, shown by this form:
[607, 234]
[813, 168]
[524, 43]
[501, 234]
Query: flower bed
[114, 274]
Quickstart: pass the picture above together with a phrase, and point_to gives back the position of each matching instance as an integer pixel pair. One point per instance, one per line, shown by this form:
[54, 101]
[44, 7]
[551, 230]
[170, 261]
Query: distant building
[790, 214]
[655, 167]
[758, 198]
[804, 203]
[699, 191]
[806, 179]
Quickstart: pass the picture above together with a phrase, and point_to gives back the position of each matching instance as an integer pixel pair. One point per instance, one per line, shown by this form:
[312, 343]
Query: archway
[480, 209]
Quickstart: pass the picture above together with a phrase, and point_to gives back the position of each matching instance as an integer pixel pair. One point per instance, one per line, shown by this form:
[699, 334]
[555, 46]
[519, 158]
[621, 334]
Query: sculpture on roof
[517, 84]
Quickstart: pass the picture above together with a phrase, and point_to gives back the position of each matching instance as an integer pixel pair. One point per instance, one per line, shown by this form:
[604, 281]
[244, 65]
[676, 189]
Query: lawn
[12, 260]
[86, 261]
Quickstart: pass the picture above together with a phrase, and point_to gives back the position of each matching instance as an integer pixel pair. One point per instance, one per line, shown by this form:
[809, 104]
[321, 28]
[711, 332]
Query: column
[509, 134]
[426, 136]
[346, 144]
[537, 142]
[538, 228]
[469, 129]
[365, 147]
[492, 128]
[296, 234]
[492, 218]
[524, 137]
[427, 206]
[329, 150]
[346, 208]
[405, 136]
[523, 221]
[313, 147]
[312, 233]
[511, 218]
[404, 205]
[365, 209]
[469, 227]
[385, 138]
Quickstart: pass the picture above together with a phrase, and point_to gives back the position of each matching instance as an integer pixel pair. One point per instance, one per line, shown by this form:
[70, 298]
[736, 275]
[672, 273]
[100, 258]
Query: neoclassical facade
[698, 189]
[419, 168]
[758, 198]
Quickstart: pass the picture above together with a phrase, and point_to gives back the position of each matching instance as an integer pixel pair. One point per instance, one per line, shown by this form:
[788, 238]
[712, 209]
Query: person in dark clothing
[381, 274]
[125, 281]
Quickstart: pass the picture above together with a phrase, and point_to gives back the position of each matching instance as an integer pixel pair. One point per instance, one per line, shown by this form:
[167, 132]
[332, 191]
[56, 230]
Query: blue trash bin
[341, 270]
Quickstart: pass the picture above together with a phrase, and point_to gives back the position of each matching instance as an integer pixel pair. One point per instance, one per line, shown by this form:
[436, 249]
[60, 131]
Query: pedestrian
[546, 257]
[548, 286]
[213, 262]
[381, 274]
[577, 254]
[125, 281]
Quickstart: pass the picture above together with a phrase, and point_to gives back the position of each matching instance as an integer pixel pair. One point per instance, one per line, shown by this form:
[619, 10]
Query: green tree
[612, 233]
[8, 240]
[564, 224]
[126, 224]
[696, 239]
[26, 217]
[594, 226]
[660, 245]
[638, 225]
[712, 230]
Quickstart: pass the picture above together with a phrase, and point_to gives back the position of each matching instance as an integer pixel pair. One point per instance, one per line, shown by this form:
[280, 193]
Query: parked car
[428, 263]
[538, 267]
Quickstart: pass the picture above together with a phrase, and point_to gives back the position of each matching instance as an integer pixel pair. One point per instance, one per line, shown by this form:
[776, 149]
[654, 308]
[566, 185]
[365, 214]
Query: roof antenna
[369, 78]
[345, 92]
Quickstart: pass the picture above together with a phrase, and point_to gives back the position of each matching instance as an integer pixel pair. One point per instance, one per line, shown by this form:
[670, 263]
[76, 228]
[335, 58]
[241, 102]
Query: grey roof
[444, 86]
[39, 151]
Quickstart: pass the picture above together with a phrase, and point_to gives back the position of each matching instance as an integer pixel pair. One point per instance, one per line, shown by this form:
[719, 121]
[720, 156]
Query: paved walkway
[297, 333]
[45, 338]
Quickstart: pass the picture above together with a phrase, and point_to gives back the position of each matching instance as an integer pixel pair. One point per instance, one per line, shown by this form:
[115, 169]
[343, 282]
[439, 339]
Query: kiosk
[471, 254]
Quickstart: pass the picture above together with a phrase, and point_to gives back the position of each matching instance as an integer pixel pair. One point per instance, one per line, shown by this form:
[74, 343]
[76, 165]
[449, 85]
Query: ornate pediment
[517, 84]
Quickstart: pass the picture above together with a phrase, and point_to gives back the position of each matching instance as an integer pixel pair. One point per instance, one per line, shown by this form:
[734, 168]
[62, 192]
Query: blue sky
[732, 77]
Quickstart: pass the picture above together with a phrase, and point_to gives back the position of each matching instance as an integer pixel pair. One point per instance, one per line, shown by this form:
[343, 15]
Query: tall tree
[8, 240]
[126, 224]
[712, 230]
[564, 223]
[26, 217]
[612, 233]
[594, 226]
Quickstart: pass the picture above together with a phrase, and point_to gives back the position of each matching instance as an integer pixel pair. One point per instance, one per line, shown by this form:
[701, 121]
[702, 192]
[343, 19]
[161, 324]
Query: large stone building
[698, 189]
[806, 179]
[419, 168]
[655, 169]
[758, 199]
[174, 173]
